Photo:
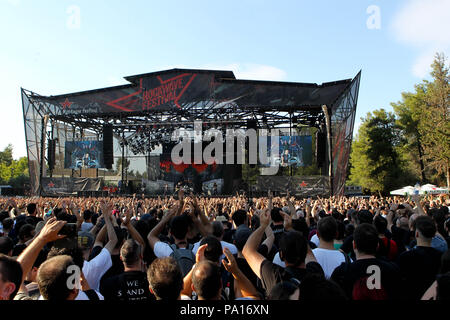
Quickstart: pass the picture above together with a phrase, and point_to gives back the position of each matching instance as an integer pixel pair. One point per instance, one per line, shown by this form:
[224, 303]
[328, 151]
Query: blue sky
[47, 47]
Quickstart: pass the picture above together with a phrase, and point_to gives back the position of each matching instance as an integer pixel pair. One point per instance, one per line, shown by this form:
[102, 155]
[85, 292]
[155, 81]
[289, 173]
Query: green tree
[6, 156]
[375, 164]
[435, 120]
[13, 172]
[409, 113]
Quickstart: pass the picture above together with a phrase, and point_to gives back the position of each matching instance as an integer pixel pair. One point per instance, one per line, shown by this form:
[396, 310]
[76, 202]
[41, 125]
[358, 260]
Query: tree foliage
[423, 117]
[13, 172]
[434, 124]
[393, 150]
[376, 164]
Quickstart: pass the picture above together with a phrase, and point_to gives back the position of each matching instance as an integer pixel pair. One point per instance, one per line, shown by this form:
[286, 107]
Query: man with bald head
[207, 281]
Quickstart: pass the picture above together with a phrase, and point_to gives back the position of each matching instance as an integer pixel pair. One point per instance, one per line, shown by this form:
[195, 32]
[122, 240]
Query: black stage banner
[177, 89]
[64, 186]
[305, 186]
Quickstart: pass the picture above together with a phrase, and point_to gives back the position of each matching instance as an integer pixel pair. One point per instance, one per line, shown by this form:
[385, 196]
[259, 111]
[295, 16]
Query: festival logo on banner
[170, 90]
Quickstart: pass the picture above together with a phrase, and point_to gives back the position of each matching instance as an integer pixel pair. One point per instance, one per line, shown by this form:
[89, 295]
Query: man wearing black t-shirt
[368, 278]
[362, 216]
[420, 265]
[293, 251]
[132, 285]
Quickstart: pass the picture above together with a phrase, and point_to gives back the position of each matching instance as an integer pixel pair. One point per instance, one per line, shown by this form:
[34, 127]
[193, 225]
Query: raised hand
[287, 221]
[128, 215]
[200, 255]
[231, 266]
[265, 218]
[50, 230]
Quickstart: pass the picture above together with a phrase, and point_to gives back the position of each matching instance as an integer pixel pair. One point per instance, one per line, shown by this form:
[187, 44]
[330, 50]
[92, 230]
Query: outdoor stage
[84, 141]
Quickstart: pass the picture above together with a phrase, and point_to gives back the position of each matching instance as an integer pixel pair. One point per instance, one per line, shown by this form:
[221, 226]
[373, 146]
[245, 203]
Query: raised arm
[270, 238]
[154, 233]
[131, 229]
[48, 233]
[74, 209]
[206, 224]
[250, 251]
[416, 199]
[245, 286]
[112, 237]
[290, 205]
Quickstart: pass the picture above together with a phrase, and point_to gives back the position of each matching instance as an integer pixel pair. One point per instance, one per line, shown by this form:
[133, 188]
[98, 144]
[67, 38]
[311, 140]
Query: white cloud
[421, 67]
[424, 24]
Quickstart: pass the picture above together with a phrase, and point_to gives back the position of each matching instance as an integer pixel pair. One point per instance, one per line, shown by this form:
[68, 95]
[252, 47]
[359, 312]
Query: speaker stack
[321, 148]
[108, 151]
[51, 154]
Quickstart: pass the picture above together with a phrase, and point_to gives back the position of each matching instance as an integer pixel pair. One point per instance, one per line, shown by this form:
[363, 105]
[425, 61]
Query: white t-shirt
[225, 244]
[328, 259]
[277, 260]
[315, 239]
[95, 269]
[163, 249]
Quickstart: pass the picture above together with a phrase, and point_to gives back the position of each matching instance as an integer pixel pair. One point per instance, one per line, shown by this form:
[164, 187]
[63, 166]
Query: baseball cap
[85, 240]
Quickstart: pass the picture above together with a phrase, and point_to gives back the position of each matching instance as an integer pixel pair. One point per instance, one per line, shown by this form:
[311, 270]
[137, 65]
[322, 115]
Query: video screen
[83, 154]
[196, 173]
[293, 151]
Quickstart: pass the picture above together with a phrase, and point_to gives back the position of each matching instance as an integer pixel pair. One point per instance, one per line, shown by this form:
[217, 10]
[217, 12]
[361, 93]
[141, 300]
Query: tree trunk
[448, 175]
[422, 166]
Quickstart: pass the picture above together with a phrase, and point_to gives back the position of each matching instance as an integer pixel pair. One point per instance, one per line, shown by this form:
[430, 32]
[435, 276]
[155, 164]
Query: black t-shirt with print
[419, 267]
[128, 286]
[354, 278]
[271, 274]
[278, 232]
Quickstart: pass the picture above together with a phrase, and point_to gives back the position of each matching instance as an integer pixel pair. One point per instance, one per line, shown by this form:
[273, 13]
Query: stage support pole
[43, 132]
[123, 162]
[330, 162]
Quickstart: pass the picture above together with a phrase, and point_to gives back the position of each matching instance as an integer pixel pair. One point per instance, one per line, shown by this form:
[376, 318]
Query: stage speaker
[321, 148]
[51, 154]
[108, 150]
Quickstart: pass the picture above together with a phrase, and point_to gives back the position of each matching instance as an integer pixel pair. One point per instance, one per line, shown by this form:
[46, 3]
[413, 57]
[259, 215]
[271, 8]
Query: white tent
[408, 190]
[432, 189]
[425, 189]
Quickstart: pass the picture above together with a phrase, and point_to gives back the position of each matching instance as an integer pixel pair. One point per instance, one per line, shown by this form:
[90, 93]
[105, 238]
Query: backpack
[184, 257]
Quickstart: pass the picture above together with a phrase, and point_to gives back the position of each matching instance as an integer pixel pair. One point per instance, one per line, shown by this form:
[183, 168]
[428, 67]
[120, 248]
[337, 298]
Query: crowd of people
[233, 248]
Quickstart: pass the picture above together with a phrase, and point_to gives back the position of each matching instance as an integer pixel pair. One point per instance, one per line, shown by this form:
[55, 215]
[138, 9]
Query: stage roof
[175, 89]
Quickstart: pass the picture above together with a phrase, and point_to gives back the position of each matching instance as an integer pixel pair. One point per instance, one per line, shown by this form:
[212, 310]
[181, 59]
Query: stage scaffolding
[159, 102]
